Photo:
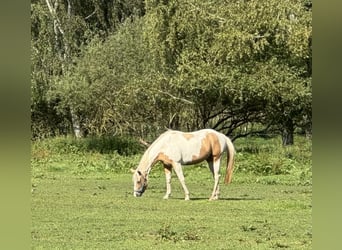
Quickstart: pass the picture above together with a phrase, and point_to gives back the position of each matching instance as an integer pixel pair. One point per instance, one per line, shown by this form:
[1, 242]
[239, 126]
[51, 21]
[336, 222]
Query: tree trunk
[63, 52]
[287, 133]
[76, 124]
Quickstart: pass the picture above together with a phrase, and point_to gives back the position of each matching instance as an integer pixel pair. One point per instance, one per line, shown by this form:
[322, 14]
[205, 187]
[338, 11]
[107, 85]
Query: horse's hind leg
[214, 167]
[178, 169]
[167, 170]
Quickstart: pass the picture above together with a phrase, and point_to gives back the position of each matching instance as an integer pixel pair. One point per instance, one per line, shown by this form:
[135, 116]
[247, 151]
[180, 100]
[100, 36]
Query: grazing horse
[175, 148]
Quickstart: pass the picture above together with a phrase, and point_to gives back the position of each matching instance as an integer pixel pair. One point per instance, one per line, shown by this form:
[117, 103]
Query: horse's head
[140, 182]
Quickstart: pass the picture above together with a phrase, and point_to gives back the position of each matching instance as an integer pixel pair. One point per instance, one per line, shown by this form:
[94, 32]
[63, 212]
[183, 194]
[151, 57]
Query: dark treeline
[134, 67]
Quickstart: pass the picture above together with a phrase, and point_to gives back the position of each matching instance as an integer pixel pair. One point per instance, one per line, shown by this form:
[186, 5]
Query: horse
[175, 148]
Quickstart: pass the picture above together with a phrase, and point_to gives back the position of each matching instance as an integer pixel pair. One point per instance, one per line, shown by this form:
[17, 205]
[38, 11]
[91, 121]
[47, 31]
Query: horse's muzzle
[137, 194]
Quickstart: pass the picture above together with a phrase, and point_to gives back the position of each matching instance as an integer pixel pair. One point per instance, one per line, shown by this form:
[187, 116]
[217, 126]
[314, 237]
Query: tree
[59, 31]
[106, 86]
[229, 58]
[242, 67]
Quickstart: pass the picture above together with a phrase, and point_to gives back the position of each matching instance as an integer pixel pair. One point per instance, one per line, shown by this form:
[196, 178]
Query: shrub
[85, 155]
[266, 157]
[104, 145]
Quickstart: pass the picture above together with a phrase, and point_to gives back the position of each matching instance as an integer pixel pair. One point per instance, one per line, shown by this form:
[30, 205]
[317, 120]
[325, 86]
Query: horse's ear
[132, 170]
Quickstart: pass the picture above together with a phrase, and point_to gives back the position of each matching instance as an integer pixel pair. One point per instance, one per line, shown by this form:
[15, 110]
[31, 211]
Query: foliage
[59, 32]
[238, 62]
[103, 145]
[104, 154]
[185, 65]
[104, 88]
[257, 156]
[264, 157]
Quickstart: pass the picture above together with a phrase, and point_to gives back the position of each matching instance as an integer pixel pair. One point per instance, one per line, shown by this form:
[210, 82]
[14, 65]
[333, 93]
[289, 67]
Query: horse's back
[191, 147]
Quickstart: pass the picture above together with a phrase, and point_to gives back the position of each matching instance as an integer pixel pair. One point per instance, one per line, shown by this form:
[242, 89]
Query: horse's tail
[230, 161]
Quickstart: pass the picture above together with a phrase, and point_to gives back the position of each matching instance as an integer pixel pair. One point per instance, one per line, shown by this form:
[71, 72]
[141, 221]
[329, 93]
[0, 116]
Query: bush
[121, 145]
[103, 145]
[266, 157]
[112, 154]
[257, 156]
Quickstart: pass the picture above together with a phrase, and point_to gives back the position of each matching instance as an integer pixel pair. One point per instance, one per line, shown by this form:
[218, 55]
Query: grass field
[80, 202]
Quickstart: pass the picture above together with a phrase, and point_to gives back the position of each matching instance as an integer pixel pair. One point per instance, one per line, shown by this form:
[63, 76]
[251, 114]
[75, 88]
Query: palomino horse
[175, 148]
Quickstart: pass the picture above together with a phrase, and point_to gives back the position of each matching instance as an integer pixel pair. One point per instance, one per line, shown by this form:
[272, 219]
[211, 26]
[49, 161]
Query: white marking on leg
[168, 182]
[215, 168]
[178, 169]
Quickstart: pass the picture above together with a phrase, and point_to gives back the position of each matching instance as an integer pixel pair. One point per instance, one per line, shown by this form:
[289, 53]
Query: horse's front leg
[168, 172]
[178, 169]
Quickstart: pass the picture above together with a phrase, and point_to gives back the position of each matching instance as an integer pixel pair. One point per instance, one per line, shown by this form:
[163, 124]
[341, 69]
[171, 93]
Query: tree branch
[257, 132]
[69, 8]
[90, 15]
[54, 15]
[175, 97]
[146, 144]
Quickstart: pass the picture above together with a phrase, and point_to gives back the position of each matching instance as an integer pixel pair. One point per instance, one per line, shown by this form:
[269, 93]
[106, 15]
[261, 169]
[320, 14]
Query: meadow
[82, 199]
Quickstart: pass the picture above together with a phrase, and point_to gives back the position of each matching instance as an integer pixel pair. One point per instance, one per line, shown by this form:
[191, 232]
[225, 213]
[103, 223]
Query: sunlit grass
[82, 199]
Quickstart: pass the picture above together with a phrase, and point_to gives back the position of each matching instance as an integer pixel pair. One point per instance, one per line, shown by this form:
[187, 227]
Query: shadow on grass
[221, 199]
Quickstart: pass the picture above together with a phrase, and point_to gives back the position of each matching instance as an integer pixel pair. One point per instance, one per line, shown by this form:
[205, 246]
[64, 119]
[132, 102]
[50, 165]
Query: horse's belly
[184, 162]
[193, 159]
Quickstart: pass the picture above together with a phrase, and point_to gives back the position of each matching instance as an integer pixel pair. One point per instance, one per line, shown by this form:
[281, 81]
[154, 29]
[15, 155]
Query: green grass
[82, 200]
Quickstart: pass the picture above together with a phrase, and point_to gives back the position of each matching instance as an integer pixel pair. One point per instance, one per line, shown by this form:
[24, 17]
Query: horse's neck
[145, 164]
[151, 154]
